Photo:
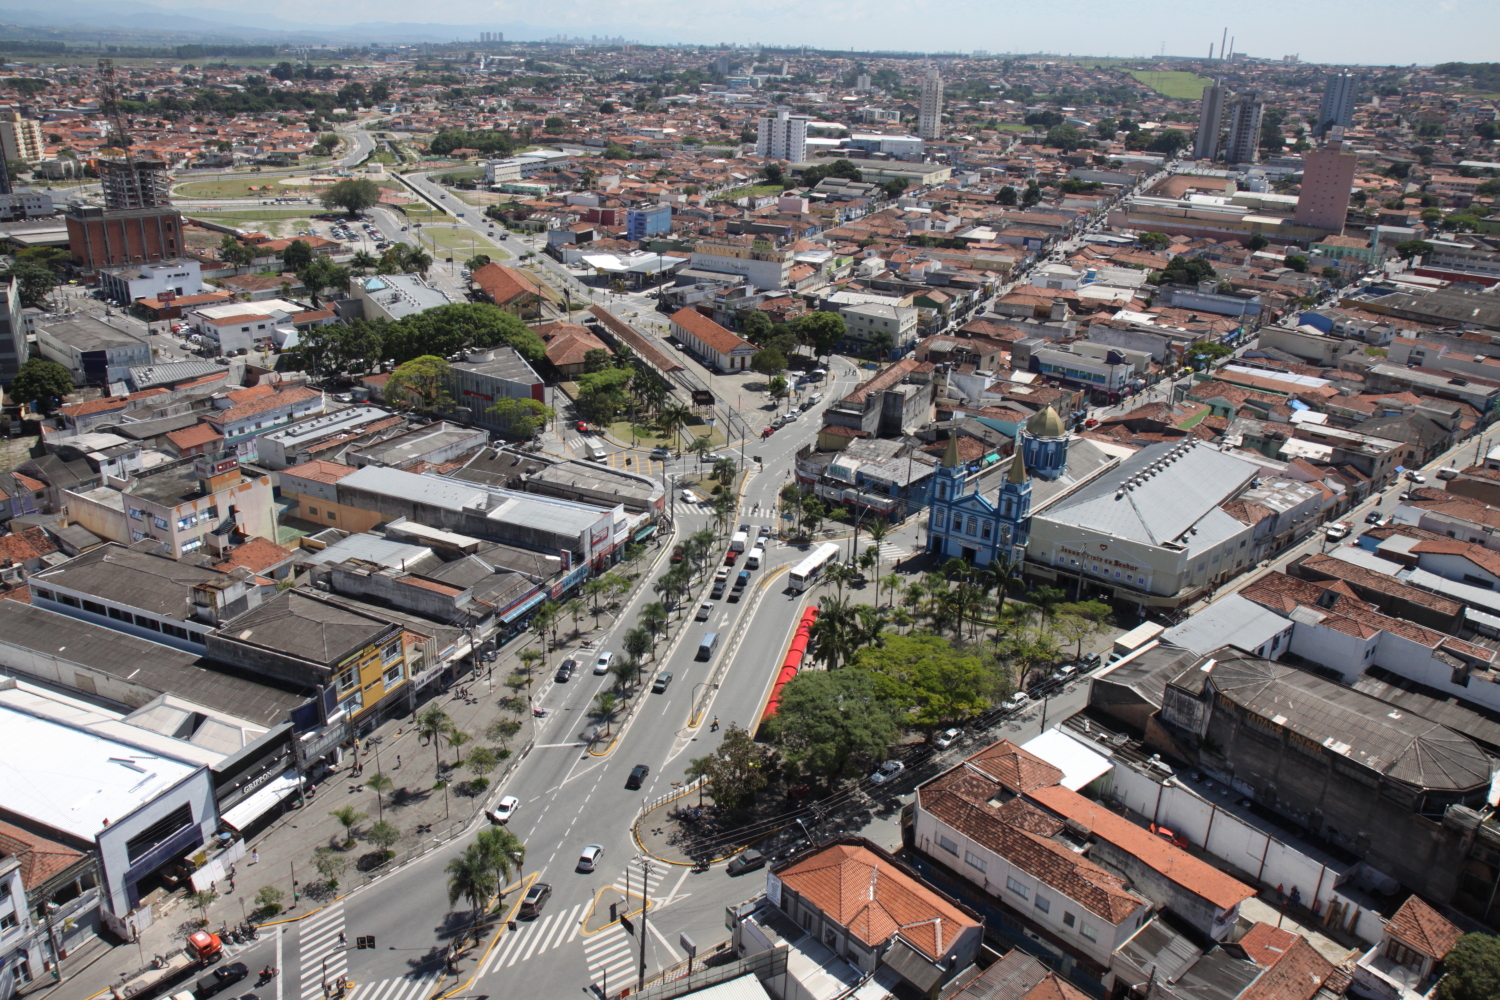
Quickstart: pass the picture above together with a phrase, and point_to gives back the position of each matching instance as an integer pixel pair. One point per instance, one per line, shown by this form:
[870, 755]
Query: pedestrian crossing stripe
[320, 955]
[410, 987]
[533, 938]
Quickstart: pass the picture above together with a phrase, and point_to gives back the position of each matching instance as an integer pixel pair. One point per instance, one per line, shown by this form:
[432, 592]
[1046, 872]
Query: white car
[589, 859]
[688, 497]
[504, 809]
[946, 738]
[887, 771]
[601, 665]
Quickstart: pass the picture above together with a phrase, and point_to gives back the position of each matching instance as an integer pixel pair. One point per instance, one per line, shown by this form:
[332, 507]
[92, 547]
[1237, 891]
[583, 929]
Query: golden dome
[1046, 423]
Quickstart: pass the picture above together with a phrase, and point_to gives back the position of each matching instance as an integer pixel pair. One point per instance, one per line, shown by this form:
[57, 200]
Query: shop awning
[645, 533]
[523, 607]
[261, 801]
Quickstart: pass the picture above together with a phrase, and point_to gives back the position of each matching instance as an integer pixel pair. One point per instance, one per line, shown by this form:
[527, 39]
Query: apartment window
[938, 519]
[160, 522]
[313, 511]
[331, 515]
[391, 651]
[1068, 919]
[210, 512]
[1402, 955]
[184, 523]
[974, 860]
[198, 638]
[69, 600]
[136, 513]
[150, 623]
[986, 530]
[1017, 888]
[346, 679]
[948, 845]
[193, 544]
[176, 631]
[136, 536]
[973, 526]
[93, 607]
[1087, 930]
[393, 675]
[1043, 903]
[43, 593]
[7, 921]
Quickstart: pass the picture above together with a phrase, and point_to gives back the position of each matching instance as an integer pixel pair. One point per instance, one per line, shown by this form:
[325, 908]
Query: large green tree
[419, 384]
[833, 722]
[942, 684]
[1473, 968]
[34, 281]
[462, 326]
[41, 383]
[296, 256]
[353, 195]
[737, 770]
[523, 416]
[602, 395]
[820, 330]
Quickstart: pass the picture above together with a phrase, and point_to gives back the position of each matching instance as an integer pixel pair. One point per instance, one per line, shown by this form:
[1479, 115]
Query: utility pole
[645, 904]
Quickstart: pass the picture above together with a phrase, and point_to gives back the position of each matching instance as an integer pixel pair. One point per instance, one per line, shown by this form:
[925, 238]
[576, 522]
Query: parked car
[1019, 698]
[637, 776]
[746, 861]
[601, 665]
[1415, 476]
[885, 772]
[589, 859]
[536, 898]
[662, 680]
[1374, 517]
[946, 738]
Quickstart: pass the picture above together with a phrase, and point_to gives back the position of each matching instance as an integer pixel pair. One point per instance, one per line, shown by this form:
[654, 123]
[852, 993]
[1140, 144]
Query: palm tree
[502, 850]
[892, 586]
[472, 878]
[653, 618]
[638, 642]
[379, 784]
[834, 632]
[418, 260]
[574, 609]
[672, 418]
[605, 704]
[724, 469]
[593, 590]
[528, 658]
[362, 261]
[838, 574]
[878, 530]
[701, 446]
[456, 739]
[348, 816]
[1001, 575]
[433, 724]
[624, 669]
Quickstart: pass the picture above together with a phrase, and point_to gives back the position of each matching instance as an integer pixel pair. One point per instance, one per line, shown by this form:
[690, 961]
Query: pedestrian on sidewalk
[255, 857]
[398, 762]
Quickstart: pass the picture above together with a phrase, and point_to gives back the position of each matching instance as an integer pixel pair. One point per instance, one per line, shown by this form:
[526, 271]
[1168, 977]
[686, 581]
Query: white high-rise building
[783, 137]
[1338, 103]
[1243, 142]
[930, 111]
[1210, 120]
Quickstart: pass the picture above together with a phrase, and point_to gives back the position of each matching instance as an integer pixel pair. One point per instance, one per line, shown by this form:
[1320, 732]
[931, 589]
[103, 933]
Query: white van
[707, 645]
[753, 557]
[1447, 472]
[737, 543]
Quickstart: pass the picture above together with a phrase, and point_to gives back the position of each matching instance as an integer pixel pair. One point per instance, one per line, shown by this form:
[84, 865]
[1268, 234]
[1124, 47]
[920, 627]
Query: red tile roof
[714, 336]
[40, 858]
[1014, 767]
[25, 545]
[1297, 975]
[257, 555]
[192, 437]
[875, 900]
[288, 397]
[320, 471]
[1423, 928]
[504, 284]
[1173, 863]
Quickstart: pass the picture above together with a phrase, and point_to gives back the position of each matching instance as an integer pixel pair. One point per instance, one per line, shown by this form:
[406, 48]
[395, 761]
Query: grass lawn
[696, 428]
[1176, 84]
[645, 434]
[1011, 127]
[751, 191]
[424, 213]
[480, 197]
[460, 243]
[240, 187]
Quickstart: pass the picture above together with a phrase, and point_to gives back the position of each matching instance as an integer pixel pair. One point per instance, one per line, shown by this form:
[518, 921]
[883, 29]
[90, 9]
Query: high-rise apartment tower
[930, 110]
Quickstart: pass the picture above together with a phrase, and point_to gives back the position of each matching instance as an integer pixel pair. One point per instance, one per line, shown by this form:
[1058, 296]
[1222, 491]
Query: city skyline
[1451, 30]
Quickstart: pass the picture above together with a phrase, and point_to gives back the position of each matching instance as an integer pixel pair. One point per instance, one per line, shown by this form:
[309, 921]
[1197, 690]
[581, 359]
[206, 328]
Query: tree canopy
[832, 722]
[353, 195]
[419, 384]
[42, 383]
[1473, 969]
[737, 770]
[943, 684]
[458, 327]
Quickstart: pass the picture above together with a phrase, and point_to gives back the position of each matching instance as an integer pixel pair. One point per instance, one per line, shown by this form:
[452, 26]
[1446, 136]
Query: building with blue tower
[976, 529]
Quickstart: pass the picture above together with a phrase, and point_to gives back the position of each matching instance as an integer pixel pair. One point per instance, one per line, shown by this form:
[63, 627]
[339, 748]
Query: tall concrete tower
[1244, 128]
[1327, 182]
[1338, 103]
[1210, 120]
[930, 111]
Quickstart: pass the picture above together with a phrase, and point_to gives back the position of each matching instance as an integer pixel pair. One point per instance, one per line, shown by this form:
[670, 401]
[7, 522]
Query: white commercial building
[150, 281]
[782, 137]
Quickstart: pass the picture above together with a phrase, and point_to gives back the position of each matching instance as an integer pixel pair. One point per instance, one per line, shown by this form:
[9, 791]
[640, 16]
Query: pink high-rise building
[1327, 179]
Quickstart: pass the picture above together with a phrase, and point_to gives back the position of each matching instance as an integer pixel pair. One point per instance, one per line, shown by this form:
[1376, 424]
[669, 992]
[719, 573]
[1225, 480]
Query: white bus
[806, 572]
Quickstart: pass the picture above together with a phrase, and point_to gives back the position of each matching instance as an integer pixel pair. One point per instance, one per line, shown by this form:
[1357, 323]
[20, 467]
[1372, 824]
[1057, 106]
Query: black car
[565, 670]
[220, 978]
[718, 593]
[637, 776]
[1373, 517]
[536, 898]
[747, 861]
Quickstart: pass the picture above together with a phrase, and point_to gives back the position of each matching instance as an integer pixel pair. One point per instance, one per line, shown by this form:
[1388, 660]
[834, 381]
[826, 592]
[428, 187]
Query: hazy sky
[1339, 31]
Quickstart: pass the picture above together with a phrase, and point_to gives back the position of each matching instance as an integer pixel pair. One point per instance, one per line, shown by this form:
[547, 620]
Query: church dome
[1046, 423]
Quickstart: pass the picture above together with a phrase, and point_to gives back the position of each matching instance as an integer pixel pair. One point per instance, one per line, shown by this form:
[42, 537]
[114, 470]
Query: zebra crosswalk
[534, 937]
[613, 952]
[321, 952]
[415, 986]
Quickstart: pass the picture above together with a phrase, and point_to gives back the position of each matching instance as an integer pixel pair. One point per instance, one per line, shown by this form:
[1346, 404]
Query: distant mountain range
[80, 18]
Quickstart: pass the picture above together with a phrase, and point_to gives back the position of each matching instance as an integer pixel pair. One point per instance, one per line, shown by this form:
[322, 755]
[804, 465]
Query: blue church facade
[977, 529]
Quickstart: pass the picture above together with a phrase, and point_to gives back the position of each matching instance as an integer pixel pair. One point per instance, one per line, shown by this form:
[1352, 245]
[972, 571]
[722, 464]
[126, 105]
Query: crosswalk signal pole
[645, 905]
